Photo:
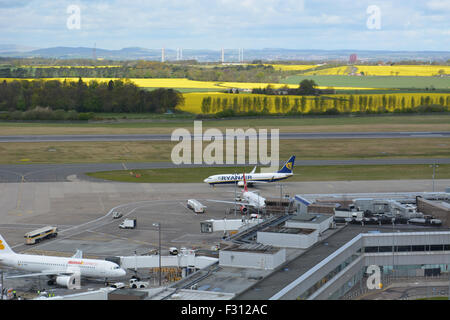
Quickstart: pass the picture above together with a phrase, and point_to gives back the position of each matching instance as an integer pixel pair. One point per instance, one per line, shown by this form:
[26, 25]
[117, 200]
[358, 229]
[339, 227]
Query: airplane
[285, 172]
[60, 269]
[248, 199]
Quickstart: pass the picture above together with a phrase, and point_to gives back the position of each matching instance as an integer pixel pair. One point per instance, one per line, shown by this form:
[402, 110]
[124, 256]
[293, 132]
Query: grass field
[148, 124]
[160, 151]
[315, 173]
[340, 81]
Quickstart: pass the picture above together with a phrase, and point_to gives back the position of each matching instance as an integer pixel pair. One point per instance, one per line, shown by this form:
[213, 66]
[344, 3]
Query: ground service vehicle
[40, 234]
[196, 206]
[136, 283]
[128, 224]
[117, 215]
[118, 285]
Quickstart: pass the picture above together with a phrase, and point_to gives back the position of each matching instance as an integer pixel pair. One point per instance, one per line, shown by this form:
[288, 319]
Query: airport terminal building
[398, 254]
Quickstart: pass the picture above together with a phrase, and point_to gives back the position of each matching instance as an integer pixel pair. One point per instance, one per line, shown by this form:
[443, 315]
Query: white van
[196, 206]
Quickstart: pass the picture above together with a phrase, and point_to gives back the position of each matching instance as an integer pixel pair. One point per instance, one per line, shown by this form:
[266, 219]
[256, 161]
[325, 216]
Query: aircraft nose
[207, 180]
[122, 272]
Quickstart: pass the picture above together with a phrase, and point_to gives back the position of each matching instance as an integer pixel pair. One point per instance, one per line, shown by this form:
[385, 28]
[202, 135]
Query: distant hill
[231, 55]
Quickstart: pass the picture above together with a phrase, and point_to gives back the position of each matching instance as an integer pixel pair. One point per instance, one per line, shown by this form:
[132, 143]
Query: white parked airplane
[60, 269]
[285, 172]
[247, 199]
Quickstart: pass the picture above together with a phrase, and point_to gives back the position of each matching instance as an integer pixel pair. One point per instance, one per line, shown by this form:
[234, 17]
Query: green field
[373, 81]
[160, 151]
[313, 173]
[148, 123]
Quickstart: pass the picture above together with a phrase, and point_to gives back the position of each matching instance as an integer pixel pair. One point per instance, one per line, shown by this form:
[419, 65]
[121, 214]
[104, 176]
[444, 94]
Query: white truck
[128, 224]
[196, 206]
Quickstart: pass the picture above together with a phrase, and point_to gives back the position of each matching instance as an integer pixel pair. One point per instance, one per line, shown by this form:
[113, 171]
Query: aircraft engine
[70, 282]
[240, 183]
[244, 209]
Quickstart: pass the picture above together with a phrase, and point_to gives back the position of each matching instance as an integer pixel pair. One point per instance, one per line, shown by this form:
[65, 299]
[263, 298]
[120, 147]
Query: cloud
[214, 23]
[439, 5]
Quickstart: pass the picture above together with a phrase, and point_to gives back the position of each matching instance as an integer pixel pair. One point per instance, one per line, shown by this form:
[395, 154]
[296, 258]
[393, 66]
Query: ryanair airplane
[252, 178]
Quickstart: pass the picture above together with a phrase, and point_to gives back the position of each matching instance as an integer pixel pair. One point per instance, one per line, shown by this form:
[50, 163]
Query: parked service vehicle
[118, 285]
[117, 214]
[40, 234]
[128, 224]
[196, 206]
[173, 251]
[137, 283]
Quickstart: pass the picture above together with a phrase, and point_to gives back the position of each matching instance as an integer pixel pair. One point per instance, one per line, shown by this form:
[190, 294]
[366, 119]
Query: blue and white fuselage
[252, 177]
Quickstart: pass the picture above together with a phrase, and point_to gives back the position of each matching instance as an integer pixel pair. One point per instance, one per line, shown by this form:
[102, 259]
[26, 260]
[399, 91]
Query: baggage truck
[128, 224]
[196, 206]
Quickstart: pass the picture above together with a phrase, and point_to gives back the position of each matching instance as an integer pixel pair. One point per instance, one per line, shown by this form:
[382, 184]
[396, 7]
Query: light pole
[159, 250]
[1, 284]
[434, 166]
[235, 195]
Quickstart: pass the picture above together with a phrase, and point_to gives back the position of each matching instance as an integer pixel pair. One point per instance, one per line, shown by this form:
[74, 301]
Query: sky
[414, 25]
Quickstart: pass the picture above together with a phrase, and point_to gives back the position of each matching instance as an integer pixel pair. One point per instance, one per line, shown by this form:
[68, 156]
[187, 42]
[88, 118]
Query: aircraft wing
[256, 182]
[45, 273]
[232, 202]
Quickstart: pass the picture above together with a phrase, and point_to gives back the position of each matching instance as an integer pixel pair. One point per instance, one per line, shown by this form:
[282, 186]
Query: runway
[74, 172]
[167, 137]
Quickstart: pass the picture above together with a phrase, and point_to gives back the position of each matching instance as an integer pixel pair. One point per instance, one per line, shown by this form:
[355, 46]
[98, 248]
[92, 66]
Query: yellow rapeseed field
[395, 70]
[352, 103]
[186, 83]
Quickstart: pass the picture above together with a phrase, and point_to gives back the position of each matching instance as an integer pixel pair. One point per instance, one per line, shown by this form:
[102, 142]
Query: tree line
[306, 87]
[111, 97]
[149, 69]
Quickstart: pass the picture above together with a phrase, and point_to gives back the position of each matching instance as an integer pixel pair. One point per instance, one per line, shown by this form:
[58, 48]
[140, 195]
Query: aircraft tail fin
[245, 184]
[288, 166]
[4, 247]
